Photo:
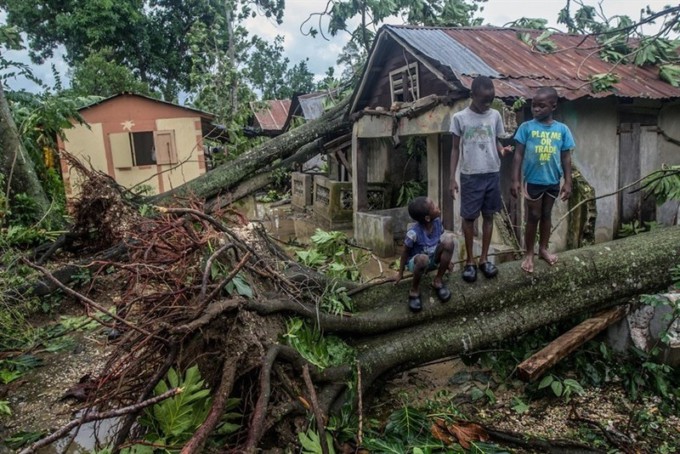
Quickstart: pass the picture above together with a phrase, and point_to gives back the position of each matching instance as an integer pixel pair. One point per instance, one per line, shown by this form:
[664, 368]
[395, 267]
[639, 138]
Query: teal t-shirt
[543, 148]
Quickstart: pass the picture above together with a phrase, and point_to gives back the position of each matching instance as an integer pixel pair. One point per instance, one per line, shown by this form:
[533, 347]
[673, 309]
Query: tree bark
[224, 179]
[17, 167]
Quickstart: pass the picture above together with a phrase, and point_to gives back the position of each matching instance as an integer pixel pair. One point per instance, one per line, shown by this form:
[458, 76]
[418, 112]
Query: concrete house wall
[669, 153]
[595, 124]
[106, 144]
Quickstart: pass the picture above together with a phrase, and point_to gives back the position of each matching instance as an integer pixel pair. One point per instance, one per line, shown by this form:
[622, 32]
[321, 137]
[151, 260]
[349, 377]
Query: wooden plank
[535, 366]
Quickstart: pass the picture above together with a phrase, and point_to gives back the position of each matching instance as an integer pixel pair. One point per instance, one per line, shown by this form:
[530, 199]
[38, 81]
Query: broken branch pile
[212, 290]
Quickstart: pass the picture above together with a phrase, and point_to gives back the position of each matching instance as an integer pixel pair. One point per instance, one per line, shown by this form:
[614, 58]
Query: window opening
[404, 83]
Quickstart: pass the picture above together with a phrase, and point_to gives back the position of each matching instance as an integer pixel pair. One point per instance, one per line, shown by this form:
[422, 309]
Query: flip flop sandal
[414, 303]
[443, 293]
[470, 273]
[488, 269]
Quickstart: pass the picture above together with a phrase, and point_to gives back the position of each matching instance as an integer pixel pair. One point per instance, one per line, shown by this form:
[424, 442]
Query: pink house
[138, 141]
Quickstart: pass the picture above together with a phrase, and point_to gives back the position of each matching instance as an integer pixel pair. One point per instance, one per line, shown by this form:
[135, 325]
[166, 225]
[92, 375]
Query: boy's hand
[515, 188]
[399, 277]
[454, 188]
[565, 192]
[505, 150]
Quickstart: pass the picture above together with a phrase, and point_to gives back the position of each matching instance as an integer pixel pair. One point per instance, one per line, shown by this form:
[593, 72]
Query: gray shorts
[480, 192]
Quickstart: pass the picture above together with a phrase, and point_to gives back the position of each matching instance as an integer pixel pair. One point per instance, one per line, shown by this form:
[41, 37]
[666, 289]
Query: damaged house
[416, 78]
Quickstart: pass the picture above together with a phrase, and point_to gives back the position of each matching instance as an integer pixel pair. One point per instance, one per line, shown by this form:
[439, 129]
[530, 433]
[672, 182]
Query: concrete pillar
[433, 166]
[359, 173]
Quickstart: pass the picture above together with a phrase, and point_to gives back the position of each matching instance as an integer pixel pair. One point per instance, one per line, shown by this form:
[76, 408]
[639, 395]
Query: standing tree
[99, 75]
[269, 72]
[19, 176]
[150, 37]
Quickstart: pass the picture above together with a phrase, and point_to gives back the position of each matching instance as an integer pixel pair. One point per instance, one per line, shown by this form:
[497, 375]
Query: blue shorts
[480, 192]
[432, 265]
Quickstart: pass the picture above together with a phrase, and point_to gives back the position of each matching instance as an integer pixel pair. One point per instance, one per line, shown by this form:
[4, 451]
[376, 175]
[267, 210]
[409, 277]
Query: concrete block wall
[380, 229]
[333, 203]
[301, 190]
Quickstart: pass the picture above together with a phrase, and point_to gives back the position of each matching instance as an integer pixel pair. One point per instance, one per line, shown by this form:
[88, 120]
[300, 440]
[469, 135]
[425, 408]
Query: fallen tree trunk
[224, 179]
[182, 314]
[584, 280]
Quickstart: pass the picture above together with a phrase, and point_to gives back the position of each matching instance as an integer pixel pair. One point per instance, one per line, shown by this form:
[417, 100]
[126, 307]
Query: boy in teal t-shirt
[543, 154]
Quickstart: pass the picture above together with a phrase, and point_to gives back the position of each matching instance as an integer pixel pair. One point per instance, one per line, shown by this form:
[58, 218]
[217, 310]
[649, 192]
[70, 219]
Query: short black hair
[481, 83]
[418, 209]
[550, 92]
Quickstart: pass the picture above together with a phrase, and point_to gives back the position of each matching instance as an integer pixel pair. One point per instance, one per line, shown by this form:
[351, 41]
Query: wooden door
[635, 151]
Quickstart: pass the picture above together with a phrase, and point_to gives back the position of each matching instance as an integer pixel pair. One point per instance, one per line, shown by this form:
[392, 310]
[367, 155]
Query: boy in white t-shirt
[476, 146]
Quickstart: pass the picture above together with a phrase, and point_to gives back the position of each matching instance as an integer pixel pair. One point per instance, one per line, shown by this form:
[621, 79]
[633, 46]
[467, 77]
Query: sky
[322, 53]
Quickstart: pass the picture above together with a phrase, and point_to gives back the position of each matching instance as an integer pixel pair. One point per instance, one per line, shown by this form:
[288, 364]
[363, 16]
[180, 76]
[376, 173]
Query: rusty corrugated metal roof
[202, 113]
[469, 51]
[273, 117]
[436, 44]
[312, 104]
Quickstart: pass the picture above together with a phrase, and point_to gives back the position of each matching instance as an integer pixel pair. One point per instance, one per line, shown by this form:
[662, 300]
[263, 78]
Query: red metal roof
[273, 117]
[518, 69]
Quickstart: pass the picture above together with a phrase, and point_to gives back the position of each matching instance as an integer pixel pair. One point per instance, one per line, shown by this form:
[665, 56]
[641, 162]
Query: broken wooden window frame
[408, 73]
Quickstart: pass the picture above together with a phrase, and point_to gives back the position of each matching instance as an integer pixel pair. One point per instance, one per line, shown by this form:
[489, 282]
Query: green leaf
[20, 439]
[573, 385]
[311, 444]
[661, 384]
[8, 376]
[547, 380]
[242, 286]
[176, 419]
[383, 446]
[5, 408]
[557, 388]
[670, 74]
[519, 406]
[406, 421]
[602, 82]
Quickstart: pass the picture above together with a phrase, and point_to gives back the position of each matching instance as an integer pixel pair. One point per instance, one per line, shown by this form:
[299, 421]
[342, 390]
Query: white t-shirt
[478, 137]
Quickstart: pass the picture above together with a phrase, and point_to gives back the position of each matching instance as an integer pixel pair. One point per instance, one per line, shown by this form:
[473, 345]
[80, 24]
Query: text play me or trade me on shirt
[543, 145]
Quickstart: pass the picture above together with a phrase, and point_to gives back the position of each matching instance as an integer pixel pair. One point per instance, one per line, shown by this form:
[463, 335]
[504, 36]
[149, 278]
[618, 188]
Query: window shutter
[166, 153]
[121, 151]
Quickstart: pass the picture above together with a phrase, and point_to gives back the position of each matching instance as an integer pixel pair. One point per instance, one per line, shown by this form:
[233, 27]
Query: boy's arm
[565, 192]
[501, 149]
[500, 131]
[402, 264]
[516, 186]
[455, 156]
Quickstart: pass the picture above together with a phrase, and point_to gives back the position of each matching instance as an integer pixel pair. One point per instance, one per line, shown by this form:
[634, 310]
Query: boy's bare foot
[528, 264]
[551, 259]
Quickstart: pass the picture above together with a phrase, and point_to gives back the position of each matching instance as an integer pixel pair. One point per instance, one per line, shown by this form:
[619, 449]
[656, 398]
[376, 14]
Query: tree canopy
[152, 38]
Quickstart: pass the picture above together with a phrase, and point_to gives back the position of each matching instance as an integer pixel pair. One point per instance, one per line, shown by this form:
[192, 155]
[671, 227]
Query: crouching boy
[426, 247]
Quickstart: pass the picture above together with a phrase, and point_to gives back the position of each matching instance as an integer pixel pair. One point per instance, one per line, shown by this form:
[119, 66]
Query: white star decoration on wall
[127, 125]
